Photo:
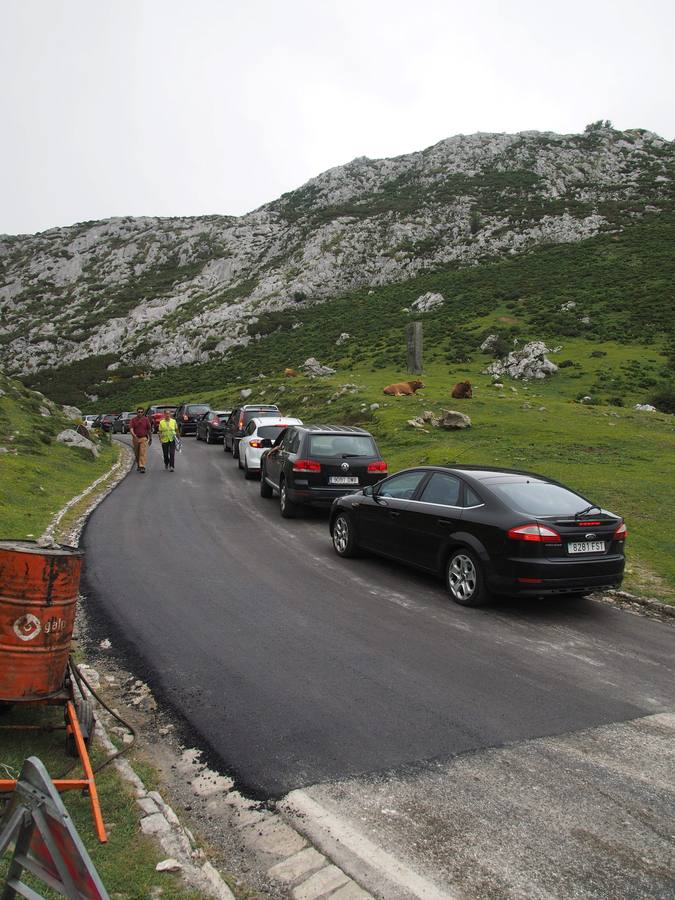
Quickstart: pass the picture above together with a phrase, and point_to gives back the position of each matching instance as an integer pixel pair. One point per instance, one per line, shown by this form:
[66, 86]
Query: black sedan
[210, 426]
[486, 531]
[105, 421]
[121, 423]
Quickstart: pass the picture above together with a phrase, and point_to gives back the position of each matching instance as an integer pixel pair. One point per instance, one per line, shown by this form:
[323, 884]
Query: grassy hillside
[37, 474]
[624, 283]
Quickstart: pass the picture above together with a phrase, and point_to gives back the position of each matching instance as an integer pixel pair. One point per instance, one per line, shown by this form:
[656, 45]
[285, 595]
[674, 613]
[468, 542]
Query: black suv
[314, 464]
[187, 416]
[235, 426]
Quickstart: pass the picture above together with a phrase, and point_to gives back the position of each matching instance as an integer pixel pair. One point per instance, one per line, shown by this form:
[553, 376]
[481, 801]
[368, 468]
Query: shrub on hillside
[664, 400]
[500, 348]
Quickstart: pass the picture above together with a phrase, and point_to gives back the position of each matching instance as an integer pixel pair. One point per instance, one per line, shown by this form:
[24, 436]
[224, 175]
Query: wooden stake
[414, 341]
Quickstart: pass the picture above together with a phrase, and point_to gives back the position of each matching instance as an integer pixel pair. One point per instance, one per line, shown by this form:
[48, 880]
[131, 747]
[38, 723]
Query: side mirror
[368, 491]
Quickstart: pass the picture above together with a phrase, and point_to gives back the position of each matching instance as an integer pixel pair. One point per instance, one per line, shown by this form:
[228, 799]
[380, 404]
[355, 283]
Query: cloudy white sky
[186, 107]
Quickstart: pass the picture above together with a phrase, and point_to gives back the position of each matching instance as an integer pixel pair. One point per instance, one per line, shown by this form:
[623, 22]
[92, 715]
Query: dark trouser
[169, 451]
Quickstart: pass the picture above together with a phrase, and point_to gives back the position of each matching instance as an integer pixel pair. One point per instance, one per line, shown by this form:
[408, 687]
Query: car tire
[235, 450]
[344, 536]
[197, 435]
[248, 474]
[287, 508]
[464, 578]
[240, 464]
[265, 490]
[209, 438]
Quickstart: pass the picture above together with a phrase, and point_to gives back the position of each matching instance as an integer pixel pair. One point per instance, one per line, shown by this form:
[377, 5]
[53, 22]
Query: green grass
[126, 864]
[37, 474]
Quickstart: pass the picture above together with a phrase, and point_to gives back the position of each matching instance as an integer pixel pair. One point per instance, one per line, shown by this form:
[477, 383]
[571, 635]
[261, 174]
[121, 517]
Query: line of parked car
[487, 531]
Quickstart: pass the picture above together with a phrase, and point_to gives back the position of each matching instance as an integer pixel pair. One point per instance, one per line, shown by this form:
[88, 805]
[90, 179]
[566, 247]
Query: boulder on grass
[452, 420]
[313, 367]
[71, 438]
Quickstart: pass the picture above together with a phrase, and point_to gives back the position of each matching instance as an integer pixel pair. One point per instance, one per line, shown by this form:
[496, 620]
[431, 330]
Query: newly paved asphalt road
[295, 666]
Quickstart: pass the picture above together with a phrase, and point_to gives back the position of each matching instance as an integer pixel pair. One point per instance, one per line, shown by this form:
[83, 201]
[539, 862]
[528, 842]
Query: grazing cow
[462, 391]
[403, 388]
[290, 373]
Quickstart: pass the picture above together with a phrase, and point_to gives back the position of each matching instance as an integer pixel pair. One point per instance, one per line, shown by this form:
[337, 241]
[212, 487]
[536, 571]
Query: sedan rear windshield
[270, 432]
[342, 445]
[537, 498]
[202, 408]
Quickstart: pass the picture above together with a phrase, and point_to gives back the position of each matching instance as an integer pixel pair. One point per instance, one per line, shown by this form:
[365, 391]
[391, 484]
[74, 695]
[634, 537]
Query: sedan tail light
[380, 466]
[185, 417]
[256, 444]
[539, 533]
[306, 465]
[240, 426]
[621, 533]
[215, 420]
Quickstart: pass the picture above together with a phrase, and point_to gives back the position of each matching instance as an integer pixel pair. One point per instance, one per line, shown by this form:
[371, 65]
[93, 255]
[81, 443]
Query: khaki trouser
[140, 450]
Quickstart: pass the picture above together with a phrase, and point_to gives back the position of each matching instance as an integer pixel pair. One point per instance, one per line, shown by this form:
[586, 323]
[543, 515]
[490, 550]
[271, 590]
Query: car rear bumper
[323, 496]
[558, 576]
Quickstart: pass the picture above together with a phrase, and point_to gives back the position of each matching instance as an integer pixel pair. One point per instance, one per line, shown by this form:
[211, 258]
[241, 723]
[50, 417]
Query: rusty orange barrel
[38, 598]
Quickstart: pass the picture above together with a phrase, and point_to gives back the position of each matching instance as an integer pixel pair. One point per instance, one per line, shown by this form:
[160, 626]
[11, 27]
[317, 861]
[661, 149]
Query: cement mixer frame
[79, 731]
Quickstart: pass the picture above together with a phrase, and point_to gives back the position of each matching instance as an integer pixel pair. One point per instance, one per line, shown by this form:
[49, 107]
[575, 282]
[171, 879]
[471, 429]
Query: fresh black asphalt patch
[296, 667]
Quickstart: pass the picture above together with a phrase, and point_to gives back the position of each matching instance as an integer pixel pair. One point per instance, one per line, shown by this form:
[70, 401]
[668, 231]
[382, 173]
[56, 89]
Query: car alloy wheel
[465, 580]
[343, 536]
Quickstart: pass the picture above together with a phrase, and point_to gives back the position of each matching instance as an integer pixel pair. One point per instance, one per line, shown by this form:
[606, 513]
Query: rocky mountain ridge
[164, 292]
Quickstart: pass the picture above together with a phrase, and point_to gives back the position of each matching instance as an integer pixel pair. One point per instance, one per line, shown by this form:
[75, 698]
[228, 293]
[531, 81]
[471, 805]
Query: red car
[156, 414]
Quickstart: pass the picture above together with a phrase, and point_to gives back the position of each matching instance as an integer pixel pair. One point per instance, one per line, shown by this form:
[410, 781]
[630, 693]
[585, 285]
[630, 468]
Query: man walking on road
[140, 429]
[167, 438]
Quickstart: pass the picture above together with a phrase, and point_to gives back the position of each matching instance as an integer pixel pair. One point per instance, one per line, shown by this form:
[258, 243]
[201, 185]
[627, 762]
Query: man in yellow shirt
[167, 438]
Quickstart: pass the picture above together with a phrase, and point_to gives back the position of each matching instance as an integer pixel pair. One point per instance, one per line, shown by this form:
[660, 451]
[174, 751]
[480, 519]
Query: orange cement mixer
[38, 600]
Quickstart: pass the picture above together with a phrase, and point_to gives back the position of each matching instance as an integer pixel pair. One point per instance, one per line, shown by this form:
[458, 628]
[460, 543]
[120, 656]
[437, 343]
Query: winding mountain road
[295, 666]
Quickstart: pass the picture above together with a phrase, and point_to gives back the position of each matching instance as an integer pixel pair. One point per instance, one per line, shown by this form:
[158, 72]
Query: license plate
[586, 547]
[343, 479]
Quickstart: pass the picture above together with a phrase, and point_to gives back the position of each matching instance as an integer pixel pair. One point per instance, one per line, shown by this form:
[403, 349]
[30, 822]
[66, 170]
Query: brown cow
[290, 373]
[403, 388]
[462, 391]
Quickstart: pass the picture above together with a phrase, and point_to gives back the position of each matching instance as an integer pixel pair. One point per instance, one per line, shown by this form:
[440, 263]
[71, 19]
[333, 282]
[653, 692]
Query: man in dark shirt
[140, 429]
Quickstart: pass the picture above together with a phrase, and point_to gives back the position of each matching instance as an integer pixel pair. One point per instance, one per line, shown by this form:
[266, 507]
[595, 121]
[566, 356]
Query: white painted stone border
[116, 473]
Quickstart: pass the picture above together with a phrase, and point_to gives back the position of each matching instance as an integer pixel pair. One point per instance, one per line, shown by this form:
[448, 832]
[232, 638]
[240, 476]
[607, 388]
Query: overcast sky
[187, 107]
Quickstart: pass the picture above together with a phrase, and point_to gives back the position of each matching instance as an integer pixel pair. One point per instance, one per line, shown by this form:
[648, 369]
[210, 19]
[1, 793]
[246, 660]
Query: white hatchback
[259, 436]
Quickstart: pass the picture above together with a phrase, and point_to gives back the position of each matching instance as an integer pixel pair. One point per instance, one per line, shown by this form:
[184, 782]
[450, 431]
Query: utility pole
[414, 341]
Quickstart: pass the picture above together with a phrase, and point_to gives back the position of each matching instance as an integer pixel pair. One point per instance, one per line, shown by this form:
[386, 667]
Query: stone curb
[665, 609]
